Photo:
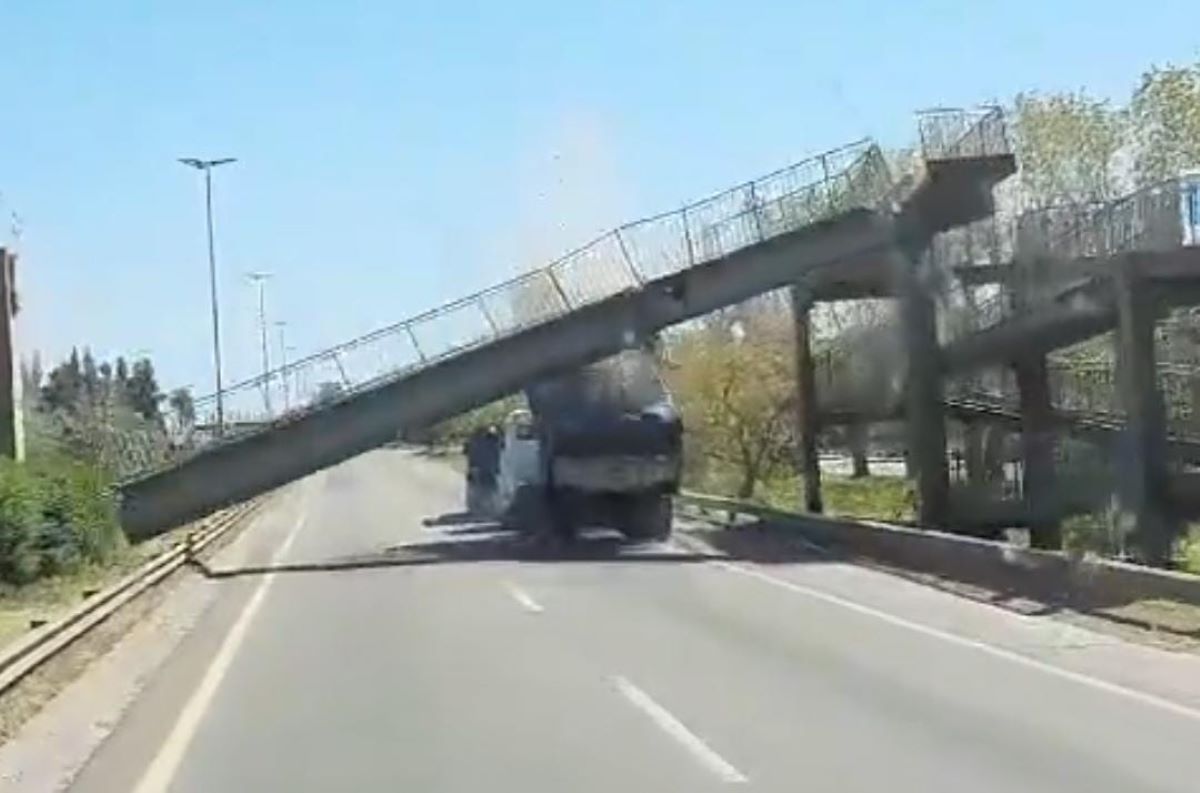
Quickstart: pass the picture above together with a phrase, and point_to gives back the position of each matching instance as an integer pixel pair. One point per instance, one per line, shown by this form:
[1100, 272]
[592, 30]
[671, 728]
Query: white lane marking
[673, 727]
[974, 644]
[524, 598]
[162, 769]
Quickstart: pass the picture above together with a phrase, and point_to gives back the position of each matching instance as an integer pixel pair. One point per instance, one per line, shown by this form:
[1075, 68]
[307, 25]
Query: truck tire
[648, 518]
[534, 513]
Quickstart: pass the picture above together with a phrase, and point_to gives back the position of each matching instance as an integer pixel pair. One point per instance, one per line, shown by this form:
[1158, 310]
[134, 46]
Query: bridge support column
[1142, 476]
[1037, 451]
[926, 419]
[808, 422]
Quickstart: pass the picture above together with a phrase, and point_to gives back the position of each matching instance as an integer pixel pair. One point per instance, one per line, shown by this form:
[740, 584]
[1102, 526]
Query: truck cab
[520, 461]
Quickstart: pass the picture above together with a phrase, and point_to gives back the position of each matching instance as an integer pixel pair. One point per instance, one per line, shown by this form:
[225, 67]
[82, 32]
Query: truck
[598, 446]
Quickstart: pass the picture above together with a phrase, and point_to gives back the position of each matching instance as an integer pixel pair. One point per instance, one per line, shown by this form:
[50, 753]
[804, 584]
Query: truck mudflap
[616, 473]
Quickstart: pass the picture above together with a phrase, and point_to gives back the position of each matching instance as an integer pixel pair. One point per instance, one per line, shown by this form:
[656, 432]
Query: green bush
[54, 515]
[20, 524]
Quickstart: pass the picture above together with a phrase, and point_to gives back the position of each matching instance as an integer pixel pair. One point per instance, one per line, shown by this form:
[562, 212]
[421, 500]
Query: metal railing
[815, 189]
[1089, 391]
[955, 133]
[1157, 218]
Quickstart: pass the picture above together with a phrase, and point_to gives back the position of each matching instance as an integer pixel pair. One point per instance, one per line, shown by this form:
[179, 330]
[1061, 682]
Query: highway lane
[386, 654]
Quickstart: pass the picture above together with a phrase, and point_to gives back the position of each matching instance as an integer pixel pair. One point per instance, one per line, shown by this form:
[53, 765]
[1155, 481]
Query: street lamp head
[204, 165]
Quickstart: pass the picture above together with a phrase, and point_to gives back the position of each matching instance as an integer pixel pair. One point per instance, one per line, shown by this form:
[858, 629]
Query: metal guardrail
[41, 644]
[815, 189]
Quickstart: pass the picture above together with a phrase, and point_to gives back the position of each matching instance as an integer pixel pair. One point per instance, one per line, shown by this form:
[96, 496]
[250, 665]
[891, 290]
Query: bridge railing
[957, 133]
[1156, 218]
[786, 200]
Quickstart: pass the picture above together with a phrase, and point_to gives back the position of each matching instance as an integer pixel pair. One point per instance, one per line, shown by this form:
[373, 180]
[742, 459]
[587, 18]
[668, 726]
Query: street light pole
[260, 279]
[206, 166]
[283, 372]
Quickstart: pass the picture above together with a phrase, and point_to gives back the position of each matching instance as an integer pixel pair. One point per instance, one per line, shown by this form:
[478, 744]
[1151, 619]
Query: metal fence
[814, 189]
[1157, 218]
[955, 133]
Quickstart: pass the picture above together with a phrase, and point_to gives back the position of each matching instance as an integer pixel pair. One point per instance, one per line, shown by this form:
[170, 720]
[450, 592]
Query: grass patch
[1190, 558]
[49, 597]
[882, 498]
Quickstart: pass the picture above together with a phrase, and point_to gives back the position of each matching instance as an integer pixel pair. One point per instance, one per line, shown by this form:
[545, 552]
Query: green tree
[1165, 114]
[141, 390]
[736, 392]
[1066, 143]
[120, 374]
[64, 384]
[90, 379]
[183, 406]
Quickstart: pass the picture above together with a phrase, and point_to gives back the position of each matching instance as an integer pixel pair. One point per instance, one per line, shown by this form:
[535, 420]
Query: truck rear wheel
[648, 518]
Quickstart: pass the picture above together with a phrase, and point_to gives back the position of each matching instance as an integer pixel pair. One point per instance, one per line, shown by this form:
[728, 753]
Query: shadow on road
[483, 543]
[453, 519]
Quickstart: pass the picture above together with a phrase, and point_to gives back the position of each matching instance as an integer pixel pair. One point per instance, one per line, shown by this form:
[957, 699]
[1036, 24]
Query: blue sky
[396, 155]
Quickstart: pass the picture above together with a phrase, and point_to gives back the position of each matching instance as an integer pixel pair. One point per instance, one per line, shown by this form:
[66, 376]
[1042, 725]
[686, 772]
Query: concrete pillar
[807, 418]
[12, 438]
[1037, 451]
[924, 398]
[1141, 473]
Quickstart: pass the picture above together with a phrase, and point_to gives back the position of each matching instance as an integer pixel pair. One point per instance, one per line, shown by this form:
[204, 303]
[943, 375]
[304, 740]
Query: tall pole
[206, 166]
[283, 373]
[260, 279]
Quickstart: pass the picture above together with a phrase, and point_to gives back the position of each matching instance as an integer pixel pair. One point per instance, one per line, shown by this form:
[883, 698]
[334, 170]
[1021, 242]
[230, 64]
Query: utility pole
[206, 166]
[260, 280]
[283, 372]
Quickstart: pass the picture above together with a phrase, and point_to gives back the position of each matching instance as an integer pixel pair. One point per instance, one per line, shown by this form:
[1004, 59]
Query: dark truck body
[610, 441]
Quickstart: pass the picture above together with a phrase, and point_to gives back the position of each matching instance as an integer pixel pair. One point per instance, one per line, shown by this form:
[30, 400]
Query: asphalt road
[367, 651]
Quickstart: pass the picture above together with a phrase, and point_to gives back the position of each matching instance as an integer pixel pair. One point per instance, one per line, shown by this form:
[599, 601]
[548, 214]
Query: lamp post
[260, 280]
[206, 166]
[281, 325]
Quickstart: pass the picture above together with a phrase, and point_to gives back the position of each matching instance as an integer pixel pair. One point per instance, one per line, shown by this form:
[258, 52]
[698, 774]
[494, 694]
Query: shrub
[20, 520]
[54, 514]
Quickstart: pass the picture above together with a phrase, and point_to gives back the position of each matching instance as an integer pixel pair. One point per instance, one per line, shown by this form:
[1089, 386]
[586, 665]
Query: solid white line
[673, 727]
[962, 641]
[525, 599]
[161, 771]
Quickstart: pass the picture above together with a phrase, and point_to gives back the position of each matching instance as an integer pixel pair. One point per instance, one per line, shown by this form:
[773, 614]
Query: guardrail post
[754, 210]
[828, 182]
[562, 293]
[687, 238]
[337, 359]
[416, 346]
[633, 270]
[487, 315]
